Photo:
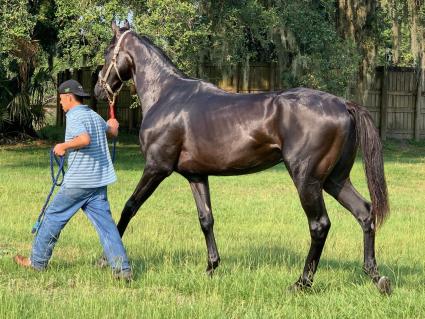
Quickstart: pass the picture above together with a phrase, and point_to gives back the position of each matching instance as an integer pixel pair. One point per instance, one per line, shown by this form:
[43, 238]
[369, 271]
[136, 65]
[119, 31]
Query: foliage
[389, 11]
[15, 23]
[177, 28]
[84, 31]
[22, 77]
[323, 60]
[46, 36]
[241, 31]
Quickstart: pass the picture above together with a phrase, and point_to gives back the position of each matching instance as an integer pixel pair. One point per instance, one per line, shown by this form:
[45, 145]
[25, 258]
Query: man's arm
[112, 129]
[77, 142]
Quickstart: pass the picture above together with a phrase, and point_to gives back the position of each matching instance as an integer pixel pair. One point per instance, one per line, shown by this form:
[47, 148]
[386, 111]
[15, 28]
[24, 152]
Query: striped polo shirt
[90, 166]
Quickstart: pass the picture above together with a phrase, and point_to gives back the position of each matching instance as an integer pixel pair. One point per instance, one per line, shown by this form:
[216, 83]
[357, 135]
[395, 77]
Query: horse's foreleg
[311, 196]
[345, 193]
[148, 183]
[201, 193]
[150, 180]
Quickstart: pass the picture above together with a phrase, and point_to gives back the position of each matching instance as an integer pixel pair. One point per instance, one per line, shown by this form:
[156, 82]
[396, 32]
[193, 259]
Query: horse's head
[117, 68]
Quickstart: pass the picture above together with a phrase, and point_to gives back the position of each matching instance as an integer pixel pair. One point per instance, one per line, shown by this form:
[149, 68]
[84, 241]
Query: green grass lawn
[261, 233]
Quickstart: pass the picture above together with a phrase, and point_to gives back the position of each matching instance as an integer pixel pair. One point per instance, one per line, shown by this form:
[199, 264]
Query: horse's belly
[222, 162]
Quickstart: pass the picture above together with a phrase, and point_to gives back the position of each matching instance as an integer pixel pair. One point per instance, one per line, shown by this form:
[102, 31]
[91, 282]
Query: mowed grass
[262, 236]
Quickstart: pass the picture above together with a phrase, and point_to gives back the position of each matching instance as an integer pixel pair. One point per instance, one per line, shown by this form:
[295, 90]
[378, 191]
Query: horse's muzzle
[99, 92]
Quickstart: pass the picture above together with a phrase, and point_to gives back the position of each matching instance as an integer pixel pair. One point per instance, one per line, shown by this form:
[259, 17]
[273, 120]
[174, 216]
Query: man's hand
[59, 149]
[113, 126]
[76, 143]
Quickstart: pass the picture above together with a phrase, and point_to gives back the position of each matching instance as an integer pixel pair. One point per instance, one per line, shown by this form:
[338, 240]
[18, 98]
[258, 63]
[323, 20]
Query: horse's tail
[371, 147]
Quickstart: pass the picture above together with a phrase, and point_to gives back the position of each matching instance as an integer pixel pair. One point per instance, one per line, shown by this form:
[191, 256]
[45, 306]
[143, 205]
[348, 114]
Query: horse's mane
[153, 47]
[149, 43]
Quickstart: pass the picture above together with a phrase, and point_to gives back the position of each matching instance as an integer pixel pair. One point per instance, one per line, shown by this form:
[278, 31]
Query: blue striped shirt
[90, 166]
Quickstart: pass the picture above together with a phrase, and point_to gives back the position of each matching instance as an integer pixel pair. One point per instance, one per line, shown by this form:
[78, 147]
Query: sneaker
[126, 275]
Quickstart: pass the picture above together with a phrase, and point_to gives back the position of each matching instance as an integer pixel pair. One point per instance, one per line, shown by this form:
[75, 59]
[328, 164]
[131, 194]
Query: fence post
[384, 105]
[417, 112]
[271, 77]
[238, 77]
[64, 75]
[58, 105]
[93, 99]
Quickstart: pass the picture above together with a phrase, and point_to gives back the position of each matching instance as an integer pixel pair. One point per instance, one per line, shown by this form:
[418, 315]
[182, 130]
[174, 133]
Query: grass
[262, 236]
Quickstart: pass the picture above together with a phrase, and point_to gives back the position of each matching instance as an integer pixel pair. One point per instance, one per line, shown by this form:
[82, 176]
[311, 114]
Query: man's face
[66, 100]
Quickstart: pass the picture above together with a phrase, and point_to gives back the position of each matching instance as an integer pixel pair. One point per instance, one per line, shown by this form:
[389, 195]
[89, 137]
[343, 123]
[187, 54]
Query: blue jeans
[94, 203]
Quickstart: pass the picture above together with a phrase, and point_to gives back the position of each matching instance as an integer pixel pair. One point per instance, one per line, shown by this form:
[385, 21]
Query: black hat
[72, 86]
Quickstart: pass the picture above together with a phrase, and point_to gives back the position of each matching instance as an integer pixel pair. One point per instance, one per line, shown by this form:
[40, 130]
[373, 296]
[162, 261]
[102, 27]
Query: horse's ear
[126, 24]
[115, 28]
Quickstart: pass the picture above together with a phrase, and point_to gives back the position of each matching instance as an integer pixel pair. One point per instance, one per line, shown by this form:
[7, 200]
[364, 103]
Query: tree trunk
[355, 19]
[396, 33]
[417, 32]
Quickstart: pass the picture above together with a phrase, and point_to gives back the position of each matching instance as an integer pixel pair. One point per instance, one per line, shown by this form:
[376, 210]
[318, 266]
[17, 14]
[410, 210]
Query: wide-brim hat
[72, 86]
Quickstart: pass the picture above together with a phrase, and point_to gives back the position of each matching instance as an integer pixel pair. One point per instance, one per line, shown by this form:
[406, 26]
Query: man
[89, 172]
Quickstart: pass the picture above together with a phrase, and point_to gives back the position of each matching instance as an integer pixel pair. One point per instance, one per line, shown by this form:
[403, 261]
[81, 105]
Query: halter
[113, 63]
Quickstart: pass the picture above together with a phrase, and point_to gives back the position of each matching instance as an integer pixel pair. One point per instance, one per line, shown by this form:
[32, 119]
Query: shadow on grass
[255, 258]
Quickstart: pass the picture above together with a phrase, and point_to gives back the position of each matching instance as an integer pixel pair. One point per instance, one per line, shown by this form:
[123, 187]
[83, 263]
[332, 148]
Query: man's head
[71, 94]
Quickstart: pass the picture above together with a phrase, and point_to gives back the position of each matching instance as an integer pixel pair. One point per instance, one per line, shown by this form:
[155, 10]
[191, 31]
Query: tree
[417, 22]
[84, 31]
[321, 44]
[358, 20]
[321, 57]
[176, 27]
[18, 56]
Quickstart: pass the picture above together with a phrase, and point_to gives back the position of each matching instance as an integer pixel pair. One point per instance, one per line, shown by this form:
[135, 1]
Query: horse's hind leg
[311, 196]
[345, 193]
[201, 193]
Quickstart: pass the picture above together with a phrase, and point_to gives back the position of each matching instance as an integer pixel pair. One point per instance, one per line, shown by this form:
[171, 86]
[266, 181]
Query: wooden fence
[395, 97]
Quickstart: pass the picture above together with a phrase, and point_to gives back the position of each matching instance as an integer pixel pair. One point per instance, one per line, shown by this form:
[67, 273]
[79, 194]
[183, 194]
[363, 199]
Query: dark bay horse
[196, 129]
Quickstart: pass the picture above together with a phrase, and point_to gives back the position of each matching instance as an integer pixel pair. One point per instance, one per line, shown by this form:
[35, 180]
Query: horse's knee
[206, 220]
[319, 228]
[310, 193]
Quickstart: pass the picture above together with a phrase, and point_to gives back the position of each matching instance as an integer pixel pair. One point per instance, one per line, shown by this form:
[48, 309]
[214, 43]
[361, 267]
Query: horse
[192, 127]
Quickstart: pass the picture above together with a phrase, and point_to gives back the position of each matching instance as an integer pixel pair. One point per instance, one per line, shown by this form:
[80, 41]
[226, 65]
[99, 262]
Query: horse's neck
[153, 75]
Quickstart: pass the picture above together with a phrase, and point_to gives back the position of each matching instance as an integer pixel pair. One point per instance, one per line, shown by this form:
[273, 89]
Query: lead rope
[55, 182]
[114, 140]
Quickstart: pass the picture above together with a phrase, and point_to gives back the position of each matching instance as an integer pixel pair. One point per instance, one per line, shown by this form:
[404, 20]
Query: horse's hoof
[102, 262]
[384, 285]
[209, 272]
[298, 287]
[212, 265]
[295, 288]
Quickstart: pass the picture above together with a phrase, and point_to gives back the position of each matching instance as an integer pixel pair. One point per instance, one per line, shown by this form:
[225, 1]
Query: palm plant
[24, 107]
